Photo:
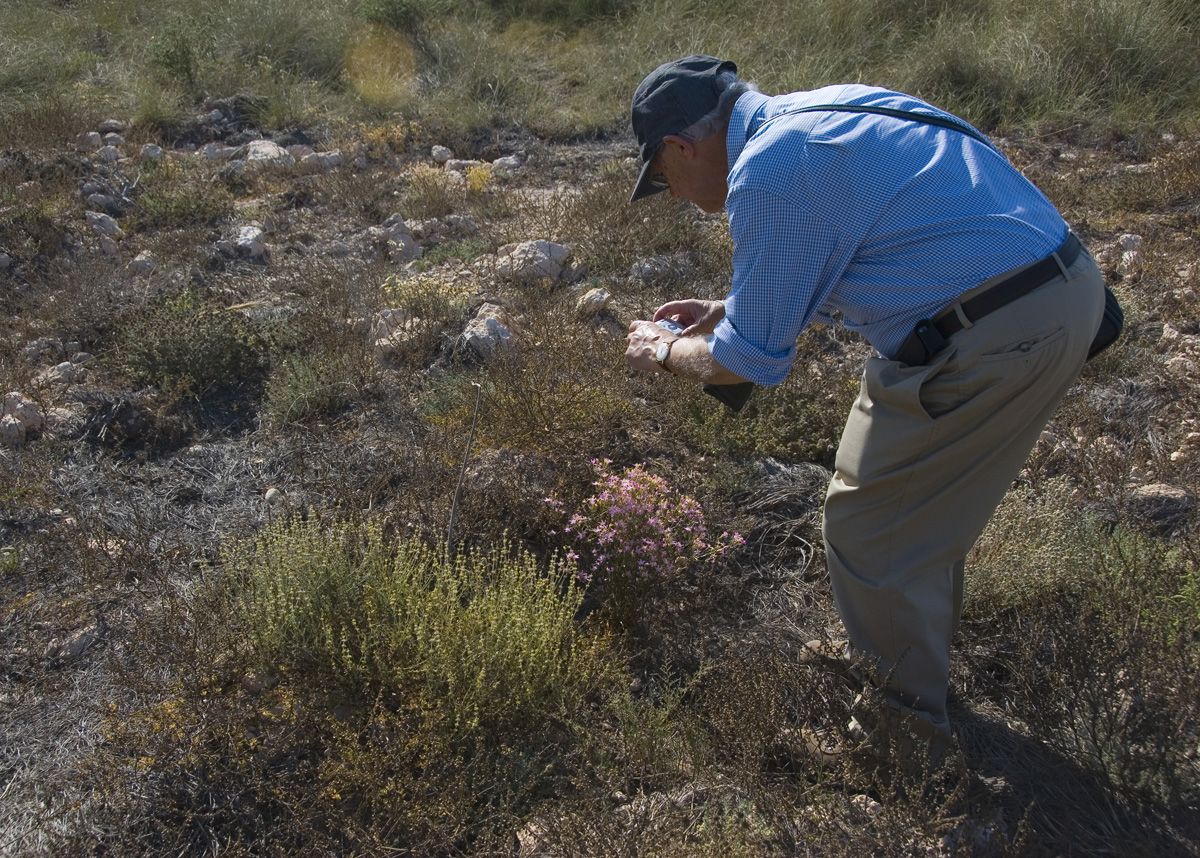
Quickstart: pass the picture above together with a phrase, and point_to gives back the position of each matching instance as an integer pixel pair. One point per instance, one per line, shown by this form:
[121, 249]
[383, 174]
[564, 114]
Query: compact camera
[734, 396]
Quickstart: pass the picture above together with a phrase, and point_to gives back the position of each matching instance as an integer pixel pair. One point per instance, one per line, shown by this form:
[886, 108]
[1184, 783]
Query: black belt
[930, 336]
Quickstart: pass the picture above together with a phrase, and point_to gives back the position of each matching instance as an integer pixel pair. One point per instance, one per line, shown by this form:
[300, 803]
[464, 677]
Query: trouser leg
[926, 456]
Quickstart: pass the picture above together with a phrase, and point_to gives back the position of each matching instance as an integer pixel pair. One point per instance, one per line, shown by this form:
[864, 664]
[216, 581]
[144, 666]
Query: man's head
[680, 113]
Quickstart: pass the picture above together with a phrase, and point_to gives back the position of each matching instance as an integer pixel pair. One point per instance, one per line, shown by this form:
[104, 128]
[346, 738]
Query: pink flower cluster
[636, 528]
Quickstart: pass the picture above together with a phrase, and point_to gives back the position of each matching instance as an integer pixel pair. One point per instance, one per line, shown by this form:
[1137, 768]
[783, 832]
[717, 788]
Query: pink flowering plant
[635, 533]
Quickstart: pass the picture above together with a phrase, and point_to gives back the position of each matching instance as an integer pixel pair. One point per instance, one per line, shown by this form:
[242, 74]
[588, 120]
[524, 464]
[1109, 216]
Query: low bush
[177, 195]
[561, 389]
[484, 641]
[309, 387]
[189, 343]
[432, 192]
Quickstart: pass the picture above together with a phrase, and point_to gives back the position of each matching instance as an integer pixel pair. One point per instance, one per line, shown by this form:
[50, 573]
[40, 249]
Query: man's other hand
[696, 316]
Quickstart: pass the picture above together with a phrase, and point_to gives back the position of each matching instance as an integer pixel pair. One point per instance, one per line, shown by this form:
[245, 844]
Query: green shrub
[178, 53]
[403, 15]
[431, 192]
[187, 342]
[486, 639]
[307, 387]
[177, 195]
[463, 250]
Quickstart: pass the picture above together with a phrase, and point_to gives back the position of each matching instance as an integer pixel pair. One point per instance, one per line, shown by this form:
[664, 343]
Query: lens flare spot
[381, 65]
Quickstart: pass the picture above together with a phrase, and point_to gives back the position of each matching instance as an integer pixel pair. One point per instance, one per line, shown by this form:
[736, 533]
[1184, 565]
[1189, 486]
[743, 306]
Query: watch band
[662, 353]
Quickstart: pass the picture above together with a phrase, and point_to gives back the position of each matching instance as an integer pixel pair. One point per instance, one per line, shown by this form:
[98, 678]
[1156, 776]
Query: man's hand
[696, 316]
[643, 339]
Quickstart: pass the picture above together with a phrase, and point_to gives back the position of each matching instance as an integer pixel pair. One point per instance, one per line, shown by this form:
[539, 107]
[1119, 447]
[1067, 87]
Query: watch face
[662, 352]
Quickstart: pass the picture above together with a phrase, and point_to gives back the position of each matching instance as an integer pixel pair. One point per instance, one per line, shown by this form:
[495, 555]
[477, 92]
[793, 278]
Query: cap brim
[645, 187]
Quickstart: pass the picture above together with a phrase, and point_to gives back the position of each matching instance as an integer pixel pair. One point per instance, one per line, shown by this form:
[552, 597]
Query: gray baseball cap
[668, 100]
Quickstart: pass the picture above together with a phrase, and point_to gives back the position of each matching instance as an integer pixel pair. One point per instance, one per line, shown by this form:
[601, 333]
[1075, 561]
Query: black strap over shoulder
[895, 113]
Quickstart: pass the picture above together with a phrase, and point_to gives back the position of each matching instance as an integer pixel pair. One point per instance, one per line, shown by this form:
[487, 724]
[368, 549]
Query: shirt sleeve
[782, 259]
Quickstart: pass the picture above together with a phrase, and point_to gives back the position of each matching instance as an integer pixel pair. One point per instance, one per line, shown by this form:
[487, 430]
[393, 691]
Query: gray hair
[716, 120]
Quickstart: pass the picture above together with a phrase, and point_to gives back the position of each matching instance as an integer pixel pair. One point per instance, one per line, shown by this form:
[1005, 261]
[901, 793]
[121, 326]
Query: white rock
[102, 202]
[113, 139]
[507, 165]
[217, 152]
[112, 126]
[103, 224]
[320, 162]
[89, 141]
[464, 225]
[249, 243]
[109, 155]
[266, 156]
[43, 349]
[592, 302]
[426, 230]
[1130, 241]
[654, 267]
[1137, 169]
[143, 263]
[275, 497]
[299, 151]
[1180, 366]
[388, 321]
[12, 431]
[456, 165]
[392, 329]
[396, 239]
[530, 262]
[866, 804]
[24, 410]
[63, 373]
[487, 333]
[440, 154]
[152, 152]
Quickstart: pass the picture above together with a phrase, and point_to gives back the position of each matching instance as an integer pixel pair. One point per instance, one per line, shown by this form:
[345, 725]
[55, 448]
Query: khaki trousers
[926, 456]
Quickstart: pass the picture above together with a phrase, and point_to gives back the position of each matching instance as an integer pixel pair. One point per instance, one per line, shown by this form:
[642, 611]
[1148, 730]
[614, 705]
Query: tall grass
[567, 67]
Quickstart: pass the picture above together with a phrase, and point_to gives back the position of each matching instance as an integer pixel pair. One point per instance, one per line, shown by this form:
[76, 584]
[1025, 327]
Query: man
[914, 231]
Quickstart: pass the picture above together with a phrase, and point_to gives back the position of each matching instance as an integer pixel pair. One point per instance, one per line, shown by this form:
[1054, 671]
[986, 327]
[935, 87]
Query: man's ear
[683, 145]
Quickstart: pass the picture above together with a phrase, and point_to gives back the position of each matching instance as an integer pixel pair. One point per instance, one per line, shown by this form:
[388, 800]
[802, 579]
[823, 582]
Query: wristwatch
[662, 353]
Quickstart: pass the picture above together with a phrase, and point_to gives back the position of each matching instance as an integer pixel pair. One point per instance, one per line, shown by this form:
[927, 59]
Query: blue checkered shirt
[864, 220]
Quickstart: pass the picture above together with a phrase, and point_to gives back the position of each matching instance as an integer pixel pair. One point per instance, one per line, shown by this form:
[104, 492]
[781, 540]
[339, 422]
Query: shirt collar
[746, 111]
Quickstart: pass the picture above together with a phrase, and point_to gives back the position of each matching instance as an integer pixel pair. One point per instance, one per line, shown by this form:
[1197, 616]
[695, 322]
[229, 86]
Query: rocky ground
[217, 327]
